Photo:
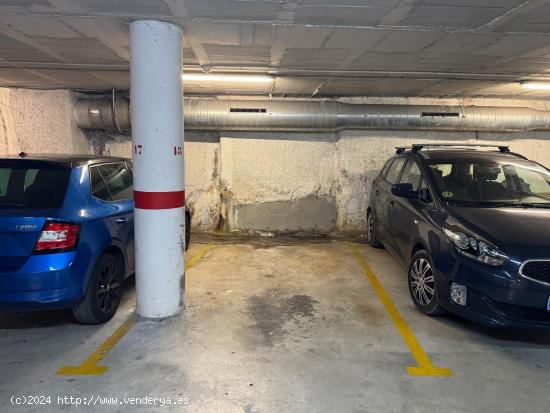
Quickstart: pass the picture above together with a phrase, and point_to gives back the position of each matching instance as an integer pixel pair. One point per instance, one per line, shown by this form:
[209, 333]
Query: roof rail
[419, 146]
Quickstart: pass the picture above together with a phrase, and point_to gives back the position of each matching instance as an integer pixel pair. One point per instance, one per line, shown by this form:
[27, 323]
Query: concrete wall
[257, 182]
[319, 184]
[39, 121]
[303, 183]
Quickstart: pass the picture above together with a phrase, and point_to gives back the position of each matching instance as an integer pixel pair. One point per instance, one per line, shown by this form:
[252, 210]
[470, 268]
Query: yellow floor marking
[91, 367]
[425, 366]
[198, 256]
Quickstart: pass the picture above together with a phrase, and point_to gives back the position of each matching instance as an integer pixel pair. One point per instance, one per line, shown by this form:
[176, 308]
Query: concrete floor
[280, 327]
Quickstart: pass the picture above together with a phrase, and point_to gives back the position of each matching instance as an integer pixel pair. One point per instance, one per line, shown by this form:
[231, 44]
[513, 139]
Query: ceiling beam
[96, 29]
[178, 9]
[20, 37]
[5, 64]
[398, 13]
[183, 19]
[510, 14]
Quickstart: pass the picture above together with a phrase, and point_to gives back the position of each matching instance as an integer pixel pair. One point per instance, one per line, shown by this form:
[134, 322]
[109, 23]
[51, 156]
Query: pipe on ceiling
[317, 116]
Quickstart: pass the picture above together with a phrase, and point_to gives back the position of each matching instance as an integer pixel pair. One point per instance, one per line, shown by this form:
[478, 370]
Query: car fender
[99, 249]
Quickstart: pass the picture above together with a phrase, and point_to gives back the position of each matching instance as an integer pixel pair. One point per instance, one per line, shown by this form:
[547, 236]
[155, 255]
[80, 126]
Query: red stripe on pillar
[159, 200]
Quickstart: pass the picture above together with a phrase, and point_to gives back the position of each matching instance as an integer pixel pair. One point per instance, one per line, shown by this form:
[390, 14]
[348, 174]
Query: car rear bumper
[496, 296]
[40, 300]
[49, 281]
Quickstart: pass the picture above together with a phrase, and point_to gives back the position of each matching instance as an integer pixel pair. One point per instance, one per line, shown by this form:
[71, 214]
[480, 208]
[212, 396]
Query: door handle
[121, 221]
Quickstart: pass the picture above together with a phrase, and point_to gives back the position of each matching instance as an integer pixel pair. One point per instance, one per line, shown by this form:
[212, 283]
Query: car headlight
[474, 248]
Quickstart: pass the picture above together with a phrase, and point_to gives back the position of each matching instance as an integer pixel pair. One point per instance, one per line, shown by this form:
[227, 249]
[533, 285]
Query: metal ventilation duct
[317, 116]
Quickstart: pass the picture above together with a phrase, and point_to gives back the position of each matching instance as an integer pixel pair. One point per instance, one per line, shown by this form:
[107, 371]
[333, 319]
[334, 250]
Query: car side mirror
[425, 195]
[404, 191]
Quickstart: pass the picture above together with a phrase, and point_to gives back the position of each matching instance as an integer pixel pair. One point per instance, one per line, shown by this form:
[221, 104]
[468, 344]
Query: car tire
[423, 284]
[372, 238]
[103, 292]
[187, 231]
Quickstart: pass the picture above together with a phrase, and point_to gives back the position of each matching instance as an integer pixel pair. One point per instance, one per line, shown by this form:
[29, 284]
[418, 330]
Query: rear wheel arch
[103, 291]
[370, 211]
[372, 231]
[116, 251]
[113, 249]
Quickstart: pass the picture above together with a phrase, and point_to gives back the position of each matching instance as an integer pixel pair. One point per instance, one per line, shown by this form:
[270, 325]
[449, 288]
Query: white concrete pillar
[157, 135]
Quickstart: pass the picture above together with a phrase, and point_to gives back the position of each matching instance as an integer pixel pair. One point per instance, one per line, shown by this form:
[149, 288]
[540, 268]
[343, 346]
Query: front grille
[516, 312]
[536, 271]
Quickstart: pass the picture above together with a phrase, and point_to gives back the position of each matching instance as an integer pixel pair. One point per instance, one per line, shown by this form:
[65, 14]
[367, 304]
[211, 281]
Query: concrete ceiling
[439, 48]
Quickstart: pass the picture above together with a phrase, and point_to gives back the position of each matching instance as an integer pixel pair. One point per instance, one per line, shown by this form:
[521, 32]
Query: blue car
[471, 227]
[66, 233]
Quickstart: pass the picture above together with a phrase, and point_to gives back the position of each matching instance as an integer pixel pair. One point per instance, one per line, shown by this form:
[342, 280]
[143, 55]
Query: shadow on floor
[534, 336]
[42, 319]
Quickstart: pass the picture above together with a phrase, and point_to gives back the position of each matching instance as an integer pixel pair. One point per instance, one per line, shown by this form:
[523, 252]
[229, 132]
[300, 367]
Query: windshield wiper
[517, 204]
[498, 204]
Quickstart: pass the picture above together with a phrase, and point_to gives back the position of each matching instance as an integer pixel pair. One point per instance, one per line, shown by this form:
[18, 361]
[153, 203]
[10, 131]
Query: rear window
[28, 185]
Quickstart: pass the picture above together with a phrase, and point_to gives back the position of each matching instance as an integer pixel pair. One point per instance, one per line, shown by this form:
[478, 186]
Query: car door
[113, 182]
[405, 214]
[386, 202]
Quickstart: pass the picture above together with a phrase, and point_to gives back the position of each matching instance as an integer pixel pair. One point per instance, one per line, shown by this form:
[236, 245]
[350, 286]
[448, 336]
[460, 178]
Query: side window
[119, 180]
[99, 187]
[395, 170]
[385, 168]
[112, 182]
[411, 175]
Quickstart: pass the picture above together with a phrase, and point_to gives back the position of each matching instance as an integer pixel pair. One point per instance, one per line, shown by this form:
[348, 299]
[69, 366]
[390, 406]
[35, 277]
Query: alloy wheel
[370, 227]
[423, 282]
[108, 289]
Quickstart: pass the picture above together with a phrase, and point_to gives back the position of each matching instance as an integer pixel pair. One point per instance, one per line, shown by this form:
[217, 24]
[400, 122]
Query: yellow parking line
[424, 364]
[198, 256]
[90, 366]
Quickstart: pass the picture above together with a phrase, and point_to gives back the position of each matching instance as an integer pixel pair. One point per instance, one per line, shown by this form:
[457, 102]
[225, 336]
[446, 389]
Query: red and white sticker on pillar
[178, 150]
[138, 149]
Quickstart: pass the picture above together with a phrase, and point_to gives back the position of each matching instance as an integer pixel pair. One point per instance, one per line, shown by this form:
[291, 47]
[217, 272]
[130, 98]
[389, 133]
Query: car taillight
[57, 237]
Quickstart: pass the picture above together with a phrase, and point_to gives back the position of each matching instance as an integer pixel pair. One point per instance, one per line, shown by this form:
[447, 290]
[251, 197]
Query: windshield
[25, 185]
[475, 182]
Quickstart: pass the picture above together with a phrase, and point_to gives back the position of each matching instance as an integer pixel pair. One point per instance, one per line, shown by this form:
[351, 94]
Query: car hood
[524, 230]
